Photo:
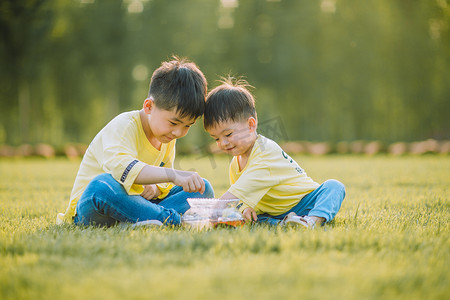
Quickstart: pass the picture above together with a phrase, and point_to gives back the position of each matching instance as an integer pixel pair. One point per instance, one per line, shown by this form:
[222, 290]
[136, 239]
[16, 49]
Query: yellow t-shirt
[122, 150]
[271, 182]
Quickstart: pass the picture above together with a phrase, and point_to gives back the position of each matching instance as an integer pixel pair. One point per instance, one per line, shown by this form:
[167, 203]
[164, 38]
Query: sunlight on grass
[389, 241]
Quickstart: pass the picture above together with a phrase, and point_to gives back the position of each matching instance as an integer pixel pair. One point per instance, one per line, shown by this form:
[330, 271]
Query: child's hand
[190, 181]
[249, 214]
[150, 191]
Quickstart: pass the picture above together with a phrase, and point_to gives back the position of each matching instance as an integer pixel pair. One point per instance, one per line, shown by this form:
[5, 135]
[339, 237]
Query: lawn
[389, 241]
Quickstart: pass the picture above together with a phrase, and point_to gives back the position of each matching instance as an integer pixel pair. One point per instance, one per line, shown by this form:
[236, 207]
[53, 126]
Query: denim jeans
[105, 202]
[325, 202]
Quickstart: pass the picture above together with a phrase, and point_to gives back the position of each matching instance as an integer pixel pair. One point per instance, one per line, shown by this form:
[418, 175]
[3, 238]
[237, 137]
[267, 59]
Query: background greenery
[331, 70]
[390, 240]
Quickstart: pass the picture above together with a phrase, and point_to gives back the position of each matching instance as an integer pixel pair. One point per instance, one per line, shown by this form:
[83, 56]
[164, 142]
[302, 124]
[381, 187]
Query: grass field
[389, 241]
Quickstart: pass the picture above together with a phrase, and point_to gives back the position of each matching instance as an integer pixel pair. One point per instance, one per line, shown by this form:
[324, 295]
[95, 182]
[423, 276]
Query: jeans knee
[335, 185]
[102, 177]
[103, 182]
[209, 191]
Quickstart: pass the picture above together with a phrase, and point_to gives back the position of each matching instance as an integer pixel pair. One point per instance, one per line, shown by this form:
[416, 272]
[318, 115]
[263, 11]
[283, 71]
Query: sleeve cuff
[242, 206]
[164, 189]
[131, 172]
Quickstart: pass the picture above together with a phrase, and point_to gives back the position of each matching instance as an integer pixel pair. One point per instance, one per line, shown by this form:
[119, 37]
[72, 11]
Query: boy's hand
[190, 181]
[150, 191]
[249, 214]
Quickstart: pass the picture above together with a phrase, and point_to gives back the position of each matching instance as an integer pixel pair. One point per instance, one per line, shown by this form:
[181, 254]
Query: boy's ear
[148, 105]
[252, 123]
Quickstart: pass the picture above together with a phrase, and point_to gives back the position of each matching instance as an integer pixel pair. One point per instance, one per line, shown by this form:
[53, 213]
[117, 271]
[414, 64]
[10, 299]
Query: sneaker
[293, 220]
[148, 223]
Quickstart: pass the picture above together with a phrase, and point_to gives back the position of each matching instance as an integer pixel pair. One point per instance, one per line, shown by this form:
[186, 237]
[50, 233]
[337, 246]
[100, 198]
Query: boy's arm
[115, 149]
[251, 186]
[190, 181]
[164, 188]
[248, 212]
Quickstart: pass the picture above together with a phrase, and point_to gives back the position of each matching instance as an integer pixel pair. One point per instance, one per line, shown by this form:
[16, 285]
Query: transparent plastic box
[211, 212]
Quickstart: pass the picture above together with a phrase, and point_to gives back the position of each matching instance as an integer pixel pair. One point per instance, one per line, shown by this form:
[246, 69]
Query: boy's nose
[176, 133]
[179, 132]
[224, 142]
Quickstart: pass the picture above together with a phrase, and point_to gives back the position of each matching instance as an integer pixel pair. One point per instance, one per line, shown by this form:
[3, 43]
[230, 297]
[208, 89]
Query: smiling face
[235, 138]
[164, 125]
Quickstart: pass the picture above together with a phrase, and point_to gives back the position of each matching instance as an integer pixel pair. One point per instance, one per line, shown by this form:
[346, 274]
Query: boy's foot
[293, 220]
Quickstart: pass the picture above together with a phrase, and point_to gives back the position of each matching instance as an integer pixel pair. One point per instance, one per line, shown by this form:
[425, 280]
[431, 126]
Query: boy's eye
[228, 135]
[172, 123]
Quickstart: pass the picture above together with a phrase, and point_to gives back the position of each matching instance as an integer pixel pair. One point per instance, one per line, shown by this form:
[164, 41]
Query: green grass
[389, 241]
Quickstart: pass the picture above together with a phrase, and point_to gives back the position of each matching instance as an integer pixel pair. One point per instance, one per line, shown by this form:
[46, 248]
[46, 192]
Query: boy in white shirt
[272, 187]
[127, 174]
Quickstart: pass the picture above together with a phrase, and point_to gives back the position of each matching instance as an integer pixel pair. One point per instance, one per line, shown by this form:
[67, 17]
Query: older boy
[126, 173]
[272, 187]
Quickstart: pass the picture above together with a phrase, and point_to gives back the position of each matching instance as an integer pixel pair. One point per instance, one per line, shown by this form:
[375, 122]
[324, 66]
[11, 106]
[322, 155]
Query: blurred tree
[24, 29]
[328, 70]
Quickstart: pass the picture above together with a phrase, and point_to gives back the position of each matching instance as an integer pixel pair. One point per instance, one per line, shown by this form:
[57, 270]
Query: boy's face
[166, 125]
[235, 138]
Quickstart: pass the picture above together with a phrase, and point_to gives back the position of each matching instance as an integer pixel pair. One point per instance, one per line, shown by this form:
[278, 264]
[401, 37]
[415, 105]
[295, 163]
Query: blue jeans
[325, 202]
[105, 202]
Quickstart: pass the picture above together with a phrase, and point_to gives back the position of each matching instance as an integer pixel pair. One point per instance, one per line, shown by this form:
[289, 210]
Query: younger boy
[126, 173]
[272, 187]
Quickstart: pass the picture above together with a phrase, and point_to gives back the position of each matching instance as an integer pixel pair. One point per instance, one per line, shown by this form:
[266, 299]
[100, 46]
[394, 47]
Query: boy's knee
[335, 185]
[103, 177]
[209, 191]
[103, 181]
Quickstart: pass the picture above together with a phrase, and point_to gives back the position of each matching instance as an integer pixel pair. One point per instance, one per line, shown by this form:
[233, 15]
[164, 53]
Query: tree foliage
[329, 70]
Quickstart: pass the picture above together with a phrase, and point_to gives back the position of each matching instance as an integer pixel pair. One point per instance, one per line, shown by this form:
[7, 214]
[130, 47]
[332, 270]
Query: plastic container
[211, 212]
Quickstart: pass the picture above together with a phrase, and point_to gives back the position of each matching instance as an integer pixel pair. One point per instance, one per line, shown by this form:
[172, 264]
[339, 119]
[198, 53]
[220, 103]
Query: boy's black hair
[181, 85]
[230, 101]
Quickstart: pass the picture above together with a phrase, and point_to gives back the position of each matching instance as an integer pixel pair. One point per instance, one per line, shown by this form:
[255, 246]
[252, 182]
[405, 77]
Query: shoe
[147, 223]
[293, 220]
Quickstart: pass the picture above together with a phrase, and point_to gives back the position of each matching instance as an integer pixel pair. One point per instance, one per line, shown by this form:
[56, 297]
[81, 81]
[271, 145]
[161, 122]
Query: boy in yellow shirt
[272, 187]
[127, 174]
